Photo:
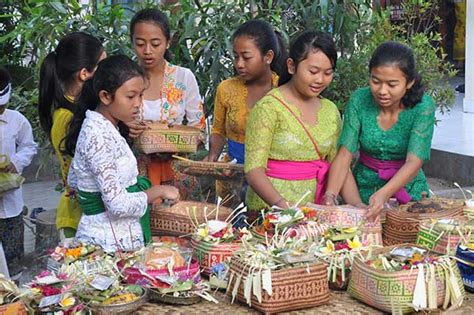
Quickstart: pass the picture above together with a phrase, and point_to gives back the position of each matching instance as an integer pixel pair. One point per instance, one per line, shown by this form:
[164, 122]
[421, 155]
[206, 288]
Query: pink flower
[44, 273]
[62, 276]
[48, 290]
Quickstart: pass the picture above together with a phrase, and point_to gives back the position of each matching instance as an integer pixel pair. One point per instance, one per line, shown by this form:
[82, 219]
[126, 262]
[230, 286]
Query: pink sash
[386, 170]
[295, 170]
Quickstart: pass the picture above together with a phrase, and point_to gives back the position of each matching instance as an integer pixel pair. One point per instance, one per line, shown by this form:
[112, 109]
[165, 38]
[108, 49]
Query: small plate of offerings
[168, 271]
[406, 277]
[52, 292]
[71, 252]
[294, 222]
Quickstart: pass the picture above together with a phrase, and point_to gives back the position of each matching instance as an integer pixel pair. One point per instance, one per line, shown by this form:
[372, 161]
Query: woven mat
[339, 303]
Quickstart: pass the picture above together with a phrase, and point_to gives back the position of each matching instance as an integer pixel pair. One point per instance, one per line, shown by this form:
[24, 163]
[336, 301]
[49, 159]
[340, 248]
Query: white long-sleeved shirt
[103, 162]
[16, 141]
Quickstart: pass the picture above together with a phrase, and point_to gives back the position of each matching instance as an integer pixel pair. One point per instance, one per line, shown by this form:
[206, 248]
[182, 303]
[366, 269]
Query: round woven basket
[155, 296]
[402, 225]
[175, 220]
[392, 291]
[217, 170]
[122, 309]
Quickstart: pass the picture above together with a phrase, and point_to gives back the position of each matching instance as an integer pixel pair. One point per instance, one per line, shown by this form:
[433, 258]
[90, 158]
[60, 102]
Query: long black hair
[111, 73]
[266, 39]
[392, 53]
[75, 51]
[154, 16]
[304, 44]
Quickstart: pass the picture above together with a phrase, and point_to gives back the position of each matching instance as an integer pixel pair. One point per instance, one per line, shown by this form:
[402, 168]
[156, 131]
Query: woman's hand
[136, 128]
[376, 203]
[329, 199]
[165, 192]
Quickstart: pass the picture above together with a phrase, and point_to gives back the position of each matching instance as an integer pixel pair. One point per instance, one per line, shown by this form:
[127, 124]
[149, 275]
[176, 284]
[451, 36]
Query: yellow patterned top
[274, 133]
[231, 110]
[68, 211]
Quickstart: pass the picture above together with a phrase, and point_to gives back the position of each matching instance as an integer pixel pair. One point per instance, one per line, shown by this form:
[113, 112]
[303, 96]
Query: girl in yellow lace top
[292, 132]
[258, 53]
[62, 75]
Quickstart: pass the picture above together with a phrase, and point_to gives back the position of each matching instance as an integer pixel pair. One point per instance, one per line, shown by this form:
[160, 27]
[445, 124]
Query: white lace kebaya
[103, 162]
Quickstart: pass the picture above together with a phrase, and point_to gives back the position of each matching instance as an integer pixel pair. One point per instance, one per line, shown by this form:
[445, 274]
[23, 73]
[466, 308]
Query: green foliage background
[201, 39]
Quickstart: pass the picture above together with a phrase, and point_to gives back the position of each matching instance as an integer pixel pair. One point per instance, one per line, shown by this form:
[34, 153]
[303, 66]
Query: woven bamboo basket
[402, 226]
[175, 219]
[217, 170]
[392, 291]
[293, 288]
[162, 138]
[209, 254]
[348, 216]
[441, 241]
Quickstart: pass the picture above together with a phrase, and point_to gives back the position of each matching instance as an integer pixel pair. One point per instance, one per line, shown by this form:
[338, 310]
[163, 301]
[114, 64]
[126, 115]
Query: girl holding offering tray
[172, 95]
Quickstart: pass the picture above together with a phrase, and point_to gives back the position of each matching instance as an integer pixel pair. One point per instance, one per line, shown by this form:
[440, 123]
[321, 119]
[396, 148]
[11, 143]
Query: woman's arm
[260, 183]
[216, 145]
[350, 191]
[337, 176]
[405, 174]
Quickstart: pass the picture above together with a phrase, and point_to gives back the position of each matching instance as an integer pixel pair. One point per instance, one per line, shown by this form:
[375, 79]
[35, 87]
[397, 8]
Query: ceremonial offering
[403, 278]
[442, 236]
[175, 220]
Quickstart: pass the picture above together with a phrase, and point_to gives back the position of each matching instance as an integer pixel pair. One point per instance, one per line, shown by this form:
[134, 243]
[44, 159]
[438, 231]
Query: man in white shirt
[16, 141]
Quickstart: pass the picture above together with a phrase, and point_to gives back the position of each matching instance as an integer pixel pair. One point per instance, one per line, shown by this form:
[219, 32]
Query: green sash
[91, 203]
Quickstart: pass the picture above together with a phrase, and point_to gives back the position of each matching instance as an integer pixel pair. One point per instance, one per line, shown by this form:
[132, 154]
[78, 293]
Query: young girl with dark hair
[391, 124]
[172, 95]
[62, 74]
[292, 132]
[104, 170]
[259, 55]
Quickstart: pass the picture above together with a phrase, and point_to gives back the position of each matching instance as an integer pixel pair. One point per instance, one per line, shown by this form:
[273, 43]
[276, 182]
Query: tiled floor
[455, 131]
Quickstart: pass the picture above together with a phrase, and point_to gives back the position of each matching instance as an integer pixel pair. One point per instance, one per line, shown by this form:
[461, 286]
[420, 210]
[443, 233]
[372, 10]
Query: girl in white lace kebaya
[104, 172]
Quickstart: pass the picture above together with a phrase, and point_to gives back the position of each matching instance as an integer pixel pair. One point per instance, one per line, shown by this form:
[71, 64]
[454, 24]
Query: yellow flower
[329, 247]
[203, 232]
[355, 243]
[349, 230]
[67, 301]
